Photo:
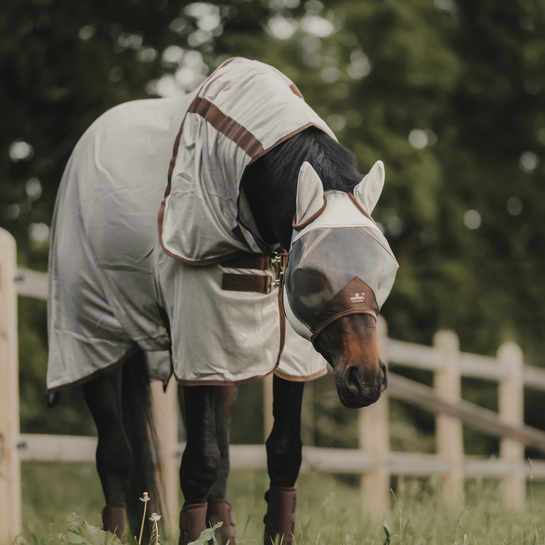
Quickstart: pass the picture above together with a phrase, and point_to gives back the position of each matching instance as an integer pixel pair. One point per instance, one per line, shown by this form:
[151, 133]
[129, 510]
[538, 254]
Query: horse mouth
[362, 401]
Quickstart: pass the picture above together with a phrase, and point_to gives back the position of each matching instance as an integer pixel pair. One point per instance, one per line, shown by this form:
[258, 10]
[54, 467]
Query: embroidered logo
[358, 297]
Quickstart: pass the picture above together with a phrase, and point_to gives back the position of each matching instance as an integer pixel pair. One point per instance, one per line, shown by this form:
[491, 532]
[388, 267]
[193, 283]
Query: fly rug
[259, 257]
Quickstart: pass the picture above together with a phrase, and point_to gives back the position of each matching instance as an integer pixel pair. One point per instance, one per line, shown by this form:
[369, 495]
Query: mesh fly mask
[340, 263]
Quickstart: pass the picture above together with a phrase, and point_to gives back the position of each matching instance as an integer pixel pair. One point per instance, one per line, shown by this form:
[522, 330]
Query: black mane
[335, 164]
[270, 184]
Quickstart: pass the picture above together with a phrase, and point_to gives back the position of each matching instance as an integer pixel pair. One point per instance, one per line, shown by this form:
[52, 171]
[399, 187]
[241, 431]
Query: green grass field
[328, 510]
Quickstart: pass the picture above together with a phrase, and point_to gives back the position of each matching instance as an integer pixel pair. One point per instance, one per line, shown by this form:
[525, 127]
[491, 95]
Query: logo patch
[358, 297]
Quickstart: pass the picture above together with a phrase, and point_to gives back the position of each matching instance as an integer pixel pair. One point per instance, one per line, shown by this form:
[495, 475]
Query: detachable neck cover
[339, 264]
[238, 114]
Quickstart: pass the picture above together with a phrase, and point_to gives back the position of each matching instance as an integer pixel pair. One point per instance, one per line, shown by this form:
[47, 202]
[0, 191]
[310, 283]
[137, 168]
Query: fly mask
[340, 263]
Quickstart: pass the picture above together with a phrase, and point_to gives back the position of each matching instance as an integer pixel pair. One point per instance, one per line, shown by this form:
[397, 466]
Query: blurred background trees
[449, 94]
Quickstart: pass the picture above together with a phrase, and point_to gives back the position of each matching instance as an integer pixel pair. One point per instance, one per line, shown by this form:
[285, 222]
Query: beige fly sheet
[133, 267]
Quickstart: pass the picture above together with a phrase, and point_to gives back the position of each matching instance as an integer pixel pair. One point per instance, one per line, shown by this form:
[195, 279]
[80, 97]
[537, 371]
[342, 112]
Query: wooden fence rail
[373, 460]
[66, 448]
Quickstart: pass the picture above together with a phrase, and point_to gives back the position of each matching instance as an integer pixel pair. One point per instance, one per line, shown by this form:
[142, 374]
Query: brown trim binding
[229, 61]
[95, 374]
[341, 315]
[282, 317]
[286, 137]
[370, 234]
[306, 378]
[317, 214]
[255, 283]
[162, 207]
[359, 206]
[296, 91]
[184, 382]
[312, 247]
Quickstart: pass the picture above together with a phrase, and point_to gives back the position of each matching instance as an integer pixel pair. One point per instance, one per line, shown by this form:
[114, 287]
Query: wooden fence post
[10, 467]
[374, 437]
[165, 412]
[449, 438]
[511, 411]
[268, 418]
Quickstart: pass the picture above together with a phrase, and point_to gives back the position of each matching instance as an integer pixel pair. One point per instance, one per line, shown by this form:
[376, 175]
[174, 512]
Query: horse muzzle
[359, 387]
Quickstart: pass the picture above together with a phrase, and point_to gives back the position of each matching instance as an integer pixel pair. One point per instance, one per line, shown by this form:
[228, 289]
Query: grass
[328, 510]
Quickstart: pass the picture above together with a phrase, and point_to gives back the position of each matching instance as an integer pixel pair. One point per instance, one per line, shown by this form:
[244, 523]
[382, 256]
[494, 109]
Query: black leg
[202, 457]
[114, 457]
[200, 462]
[284, 443]
[103, 397]
[219, 508]
[226, 397]
[283, 461]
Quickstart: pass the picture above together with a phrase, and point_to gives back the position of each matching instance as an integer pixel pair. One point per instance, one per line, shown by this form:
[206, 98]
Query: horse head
[340, 271]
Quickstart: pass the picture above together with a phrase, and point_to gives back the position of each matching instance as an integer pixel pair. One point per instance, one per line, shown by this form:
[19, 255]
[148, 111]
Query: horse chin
[369, 396]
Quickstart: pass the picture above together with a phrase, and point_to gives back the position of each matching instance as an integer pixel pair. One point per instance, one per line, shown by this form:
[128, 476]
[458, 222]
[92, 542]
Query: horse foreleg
[113, 455]
[219, 508]
[284, 454]
[200, 461]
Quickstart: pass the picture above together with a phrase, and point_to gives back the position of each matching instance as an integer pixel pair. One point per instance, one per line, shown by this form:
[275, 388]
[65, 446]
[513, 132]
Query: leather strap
[255, 283]
[192, 522]
[113, 518]
[280, 517]
[220, 510]
[245, 282]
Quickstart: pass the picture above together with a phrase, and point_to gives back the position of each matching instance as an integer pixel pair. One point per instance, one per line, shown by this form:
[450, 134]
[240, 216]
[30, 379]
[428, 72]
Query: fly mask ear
[310, 196]
[369, 189]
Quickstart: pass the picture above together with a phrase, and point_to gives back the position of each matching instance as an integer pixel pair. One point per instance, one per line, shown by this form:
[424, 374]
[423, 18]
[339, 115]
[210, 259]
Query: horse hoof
[113, 518]
[192, 522]
[220, 510]
[280, 517]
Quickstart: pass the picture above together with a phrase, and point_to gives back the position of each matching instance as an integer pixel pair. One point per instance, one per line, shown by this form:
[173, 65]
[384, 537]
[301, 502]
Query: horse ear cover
[310, 193]
[369, 189]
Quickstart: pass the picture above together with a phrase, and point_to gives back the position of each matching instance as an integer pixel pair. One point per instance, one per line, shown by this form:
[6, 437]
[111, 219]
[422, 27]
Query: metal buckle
[274, 283]
[275, 263]
[275, 266]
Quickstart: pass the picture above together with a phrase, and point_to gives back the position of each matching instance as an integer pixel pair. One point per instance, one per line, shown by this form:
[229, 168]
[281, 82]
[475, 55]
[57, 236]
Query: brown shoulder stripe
[296, 91]
[233, 130]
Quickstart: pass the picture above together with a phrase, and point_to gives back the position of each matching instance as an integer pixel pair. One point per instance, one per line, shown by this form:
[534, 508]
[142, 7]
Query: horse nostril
[384, 377]
[352, 379]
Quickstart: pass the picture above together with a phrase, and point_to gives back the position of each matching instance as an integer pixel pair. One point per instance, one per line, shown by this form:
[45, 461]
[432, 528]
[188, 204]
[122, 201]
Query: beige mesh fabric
[340, 263]
[109, 276]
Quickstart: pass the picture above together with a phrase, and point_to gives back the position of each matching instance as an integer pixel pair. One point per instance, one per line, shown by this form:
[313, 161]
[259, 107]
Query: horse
[315, 240]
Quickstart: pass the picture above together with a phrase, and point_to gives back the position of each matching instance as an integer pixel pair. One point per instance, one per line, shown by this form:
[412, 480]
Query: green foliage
[208, 535]
[52, 491]
[328, 513]
[83, 533]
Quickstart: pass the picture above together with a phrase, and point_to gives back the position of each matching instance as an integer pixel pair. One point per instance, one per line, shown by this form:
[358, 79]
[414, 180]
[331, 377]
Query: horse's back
[103, 295]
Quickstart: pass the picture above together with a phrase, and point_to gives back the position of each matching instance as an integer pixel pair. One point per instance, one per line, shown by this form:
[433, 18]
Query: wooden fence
[373, 460]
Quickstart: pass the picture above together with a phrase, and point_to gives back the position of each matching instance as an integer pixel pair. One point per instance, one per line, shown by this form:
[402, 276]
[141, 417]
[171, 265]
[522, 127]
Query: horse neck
[272, 203]
[270, 184]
